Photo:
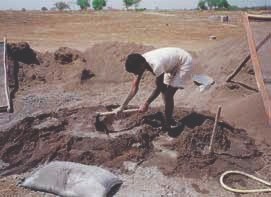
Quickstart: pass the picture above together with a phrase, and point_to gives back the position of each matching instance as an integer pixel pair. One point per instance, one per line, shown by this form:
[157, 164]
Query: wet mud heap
[67, 135]
[70, 135]
[233, 148]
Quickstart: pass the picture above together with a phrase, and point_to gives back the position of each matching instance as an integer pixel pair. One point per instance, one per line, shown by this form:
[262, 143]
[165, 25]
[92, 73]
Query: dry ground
[44, 31]
[49, 30]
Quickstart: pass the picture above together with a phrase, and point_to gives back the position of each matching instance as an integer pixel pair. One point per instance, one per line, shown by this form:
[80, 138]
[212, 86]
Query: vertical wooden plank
[257, 68]
[6, 77]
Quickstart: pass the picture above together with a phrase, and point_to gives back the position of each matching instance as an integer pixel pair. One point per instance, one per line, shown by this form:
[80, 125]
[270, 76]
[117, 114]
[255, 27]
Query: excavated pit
[76, 134]
[70, 135]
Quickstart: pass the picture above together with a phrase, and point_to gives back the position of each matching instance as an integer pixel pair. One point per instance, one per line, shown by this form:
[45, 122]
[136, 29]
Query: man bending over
[171, 67]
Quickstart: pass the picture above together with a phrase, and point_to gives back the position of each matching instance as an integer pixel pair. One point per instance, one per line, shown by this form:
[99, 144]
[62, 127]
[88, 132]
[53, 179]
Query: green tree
[61, 5]
[214, 4]
[83, 4]
[202, 5]
[44, 8]
[223, 4]
[98, 4]
[129, 3]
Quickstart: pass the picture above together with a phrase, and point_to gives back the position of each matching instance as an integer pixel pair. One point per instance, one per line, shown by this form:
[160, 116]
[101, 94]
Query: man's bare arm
[132, 92]
[155, 93]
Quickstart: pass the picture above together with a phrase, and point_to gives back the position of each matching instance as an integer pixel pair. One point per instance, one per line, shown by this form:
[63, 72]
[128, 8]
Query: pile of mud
[22, 52]
[71, 135]
[107, 60]
[29, 68]
[65, 55]
[233, 149]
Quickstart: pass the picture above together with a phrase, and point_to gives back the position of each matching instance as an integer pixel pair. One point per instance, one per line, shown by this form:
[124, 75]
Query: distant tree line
[213, 4]
[96, 4]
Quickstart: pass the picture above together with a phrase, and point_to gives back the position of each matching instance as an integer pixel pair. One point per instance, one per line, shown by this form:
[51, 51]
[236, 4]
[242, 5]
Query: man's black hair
[133, 62]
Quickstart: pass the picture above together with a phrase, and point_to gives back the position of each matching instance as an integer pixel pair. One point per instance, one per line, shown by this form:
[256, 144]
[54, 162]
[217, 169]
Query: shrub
[129, 3]
[83, 4]
[44, 9]
[98, 4]
[61, 5]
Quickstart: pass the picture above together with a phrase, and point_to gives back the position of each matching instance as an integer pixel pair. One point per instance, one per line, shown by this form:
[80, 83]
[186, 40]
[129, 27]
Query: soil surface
[71, 135]
[56, 94]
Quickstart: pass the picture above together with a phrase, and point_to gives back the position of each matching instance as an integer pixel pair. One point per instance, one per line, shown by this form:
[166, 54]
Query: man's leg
[168, 97]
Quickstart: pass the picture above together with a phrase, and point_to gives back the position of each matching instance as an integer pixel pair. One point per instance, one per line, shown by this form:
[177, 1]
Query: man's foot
[171, 124]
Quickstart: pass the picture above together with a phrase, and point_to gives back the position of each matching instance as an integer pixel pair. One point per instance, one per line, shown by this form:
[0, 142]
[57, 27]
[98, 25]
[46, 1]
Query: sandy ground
[104, 38]
[50, 30]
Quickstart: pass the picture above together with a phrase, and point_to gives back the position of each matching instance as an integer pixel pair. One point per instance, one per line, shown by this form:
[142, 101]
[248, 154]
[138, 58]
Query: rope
[243, 191]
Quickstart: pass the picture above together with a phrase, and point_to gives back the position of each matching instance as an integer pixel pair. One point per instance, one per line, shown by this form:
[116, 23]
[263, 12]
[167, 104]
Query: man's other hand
[144, 108]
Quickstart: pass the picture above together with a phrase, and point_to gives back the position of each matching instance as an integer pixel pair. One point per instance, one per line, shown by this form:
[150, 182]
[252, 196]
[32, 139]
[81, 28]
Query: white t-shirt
[166, 60]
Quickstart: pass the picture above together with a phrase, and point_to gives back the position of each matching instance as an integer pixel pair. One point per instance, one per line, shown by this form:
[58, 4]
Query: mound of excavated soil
[70, 135]
[233, 150]
[65, 55]
[69, 66]
[107, 59]
[22, 52]
[30, 68]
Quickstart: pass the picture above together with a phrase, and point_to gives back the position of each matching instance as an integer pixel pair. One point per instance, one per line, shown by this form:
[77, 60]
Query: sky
[149, 4]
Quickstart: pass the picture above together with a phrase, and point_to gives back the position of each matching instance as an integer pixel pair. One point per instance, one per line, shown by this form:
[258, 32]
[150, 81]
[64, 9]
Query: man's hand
[144, 108]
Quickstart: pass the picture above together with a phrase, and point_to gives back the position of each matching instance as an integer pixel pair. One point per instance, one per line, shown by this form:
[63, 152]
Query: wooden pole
[257, 67]
[112, 112]
[259, 17]
[214, 129]
[6, 75]
[243, 63]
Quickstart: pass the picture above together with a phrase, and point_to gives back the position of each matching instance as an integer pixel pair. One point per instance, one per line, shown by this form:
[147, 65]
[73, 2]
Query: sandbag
[70, 179]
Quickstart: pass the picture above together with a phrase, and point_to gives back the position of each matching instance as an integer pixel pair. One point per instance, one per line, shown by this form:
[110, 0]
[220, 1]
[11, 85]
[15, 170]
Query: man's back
[165, 60]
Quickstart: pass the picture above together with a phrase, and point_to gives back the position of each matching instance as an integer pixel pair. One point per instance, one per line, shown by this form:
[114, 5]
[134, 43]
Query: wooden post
[6, 75]
[257, 65]
[214, 129]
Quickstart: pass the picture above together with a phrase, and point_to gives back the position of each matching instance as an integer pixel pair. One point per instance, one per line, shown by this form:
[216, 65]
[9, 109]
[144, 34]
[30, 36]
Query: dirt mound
[107, 59]
[233, 149]
[22, 52]
[86, 74]
[70, 135]
[33, 68]
[65, 55]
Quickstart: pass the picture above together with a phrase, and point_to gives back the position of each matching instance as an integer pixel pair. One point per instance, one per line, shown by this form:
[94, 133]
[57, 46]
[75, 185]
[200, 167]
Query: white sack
[72, 180]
